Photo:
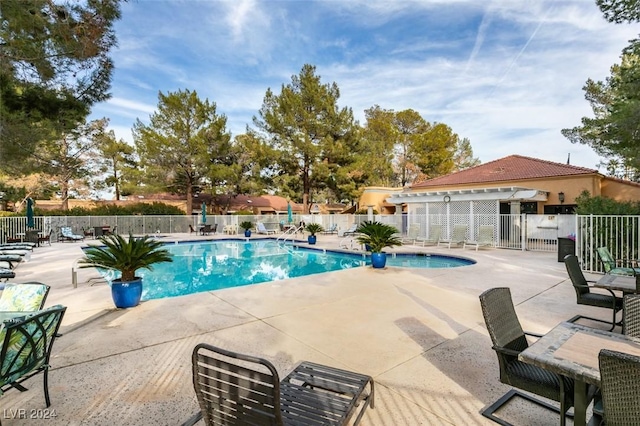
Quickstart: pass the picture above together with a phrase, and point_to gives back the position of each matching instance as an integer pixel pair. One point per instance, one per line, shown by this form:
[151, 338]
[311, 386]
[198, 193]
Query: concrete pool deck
[418, 332]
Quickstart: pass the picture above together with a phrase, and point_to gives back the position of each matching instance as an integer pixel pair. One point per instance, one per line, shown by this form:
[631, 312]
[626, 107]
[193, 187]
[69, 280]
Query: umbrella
[30, 222]
[204, 213]
[289, 213]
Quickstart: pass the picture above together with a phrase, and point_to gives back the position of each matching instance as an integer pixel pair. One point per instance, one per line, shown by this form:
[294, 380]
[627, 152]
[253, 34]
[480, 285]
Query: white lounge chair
[485, 238]
[412, 234]
[350, 231]
[458, 236]
[261, 229]
[435, 233]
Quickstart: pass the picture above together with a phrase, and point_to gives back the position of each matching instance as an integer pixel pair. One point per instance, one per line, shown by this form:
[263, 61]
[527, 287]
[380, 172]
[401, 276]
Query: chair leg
[46, 387]
[578, 317]
[489, 411]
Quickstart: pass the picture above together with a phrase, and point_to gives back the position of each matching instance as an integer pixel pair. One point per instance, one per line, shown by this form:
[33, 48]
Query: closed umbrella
[204, 213]
[30, 222]
[289, 213]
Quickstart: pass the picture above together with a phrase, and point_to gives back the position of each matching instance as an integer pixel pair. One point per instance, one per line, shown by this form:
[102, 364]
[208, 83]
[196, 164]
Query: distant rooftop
[513, 167]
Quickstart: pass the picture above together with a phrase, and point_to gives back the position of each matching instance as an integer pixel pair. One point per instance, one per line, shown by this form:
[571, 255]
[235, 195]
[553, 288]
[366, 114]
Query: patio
[418, 332]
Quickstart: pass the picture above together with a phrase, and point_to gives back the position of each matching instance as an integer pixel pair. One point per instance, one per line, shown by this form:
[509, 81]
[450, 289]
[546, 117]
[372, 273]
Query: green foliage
[619, 11]
[149, 209]
[586, 204]
[126, 256]
[246, 225]
[310, 135]
[377, 236]
[314, 228]
[185, 142]
[54, 65]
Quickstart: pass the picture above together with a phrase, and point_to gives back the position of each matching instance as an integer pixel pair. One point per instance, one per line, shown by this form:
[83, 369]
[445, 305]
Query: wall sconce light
[561, 197]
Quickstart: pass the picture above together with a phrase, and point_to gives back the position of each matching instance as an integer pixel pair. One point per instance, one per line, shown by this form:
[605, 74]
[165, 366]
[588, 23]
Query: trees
[614, 130]
[182, 141]
[115, 158]
[308, 132]
[53, 63]
[402, 147]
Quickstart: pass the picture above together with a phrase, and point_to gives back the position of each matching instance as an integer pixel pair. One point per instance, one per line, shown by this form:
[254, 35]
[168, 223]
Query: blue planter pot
[311, 239]
[247, 233]
[378, 260]
[126, 294]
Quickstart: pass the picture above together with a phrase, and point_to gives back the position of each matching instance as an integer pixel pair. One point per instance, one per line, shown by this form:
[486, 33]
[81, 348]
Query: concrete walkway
[418, 332]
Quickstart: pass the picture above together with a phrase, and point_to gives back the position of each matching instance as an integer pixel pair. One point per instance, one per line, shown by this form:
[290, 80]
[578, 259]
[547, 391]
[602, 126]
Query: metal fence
[618, 233]
[621, 234]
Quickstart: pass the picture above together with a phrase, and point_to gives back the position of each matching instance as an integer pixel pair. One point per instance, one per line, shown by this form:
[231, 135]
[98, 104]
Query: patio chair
[237, 389]
[485, 238]
[412, 234]
[584, 295]
[631, 315]
[616, 266]
[6, 274]
[26, 348]
[205, 229]
[458, 236]
[435, 233]
[333, 229]
[24, 297]
[46, 238]
[192, 230]
[620, 387]
[66, 234]
[261, 229]
[509, 340]
[350, 231]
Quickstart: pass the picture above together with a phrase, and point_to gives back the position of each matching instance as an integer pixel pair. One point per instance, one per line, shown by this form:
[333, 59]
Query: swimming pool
[215, 265]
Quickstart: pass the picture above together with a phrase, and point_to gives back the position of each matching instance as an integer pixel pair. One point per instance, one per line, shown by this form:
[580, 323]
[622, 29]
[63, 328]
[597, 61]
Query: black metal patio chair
[584, 295]
[237, 389]
[509, 340]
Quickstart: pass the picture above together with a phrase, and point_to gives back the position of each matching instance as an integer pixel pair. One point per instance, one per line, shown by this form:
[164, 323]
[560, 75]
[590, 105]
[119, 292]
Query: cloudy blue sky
[508, 74]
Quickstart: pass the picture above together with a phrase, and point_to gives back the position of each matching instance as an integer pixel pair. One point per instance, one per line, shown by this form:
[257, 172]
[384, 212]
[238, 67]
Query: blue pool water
[214, 265]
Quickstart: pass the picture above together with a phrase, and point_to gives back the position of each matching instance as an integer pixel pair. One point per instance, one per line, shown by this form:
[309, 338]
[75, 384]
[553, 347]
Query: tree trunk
[189, 197]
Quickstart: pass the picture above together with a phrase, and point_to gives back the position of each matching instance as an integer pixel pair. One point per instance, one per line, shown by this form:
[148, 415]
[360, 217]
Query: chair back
[620, 386]
[459, 233]
[435, 233]
[24, 297]
[413, 231]
[26, 344]
[577, 277]
[607, 260]
[485, 234]
[235, 389]
[631, 315]
[503, 326]
[261, 228]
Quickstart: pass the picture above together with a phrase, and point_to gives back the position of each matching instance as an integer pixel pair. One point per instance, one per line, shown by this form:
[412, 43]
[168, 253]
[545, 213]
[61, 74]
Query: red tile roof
[513, 167]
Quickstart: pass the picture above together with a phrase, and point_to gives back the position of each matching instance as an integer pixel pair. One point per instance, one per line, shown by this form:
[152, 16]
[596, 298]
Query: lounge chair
[12, 259]
[26, 348]
[18, 246]
[617, 266]
[47, 238]
[230, 229]
[21, 297]
[509, 340]
[413, 232]
[333, 229]
[458, 236]
[584, 295]
[350, 231]
[435, 233]
[485, 238]
[238, 389]
[261, 229]
[66, 234]
[6, 274]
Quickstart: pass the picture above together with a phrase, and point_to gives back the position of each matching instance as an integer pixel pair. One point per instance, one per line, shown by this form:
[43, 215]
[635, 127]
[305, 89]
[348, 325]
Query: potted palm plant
[125, 256]
[377, 236]
[246, 225]
[313, 229]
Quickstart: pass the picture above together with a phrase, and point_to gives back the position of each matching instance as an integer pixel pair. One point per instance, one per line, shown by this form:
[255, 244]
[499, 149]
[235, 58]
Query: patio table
[624, 283]
[572, 350]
